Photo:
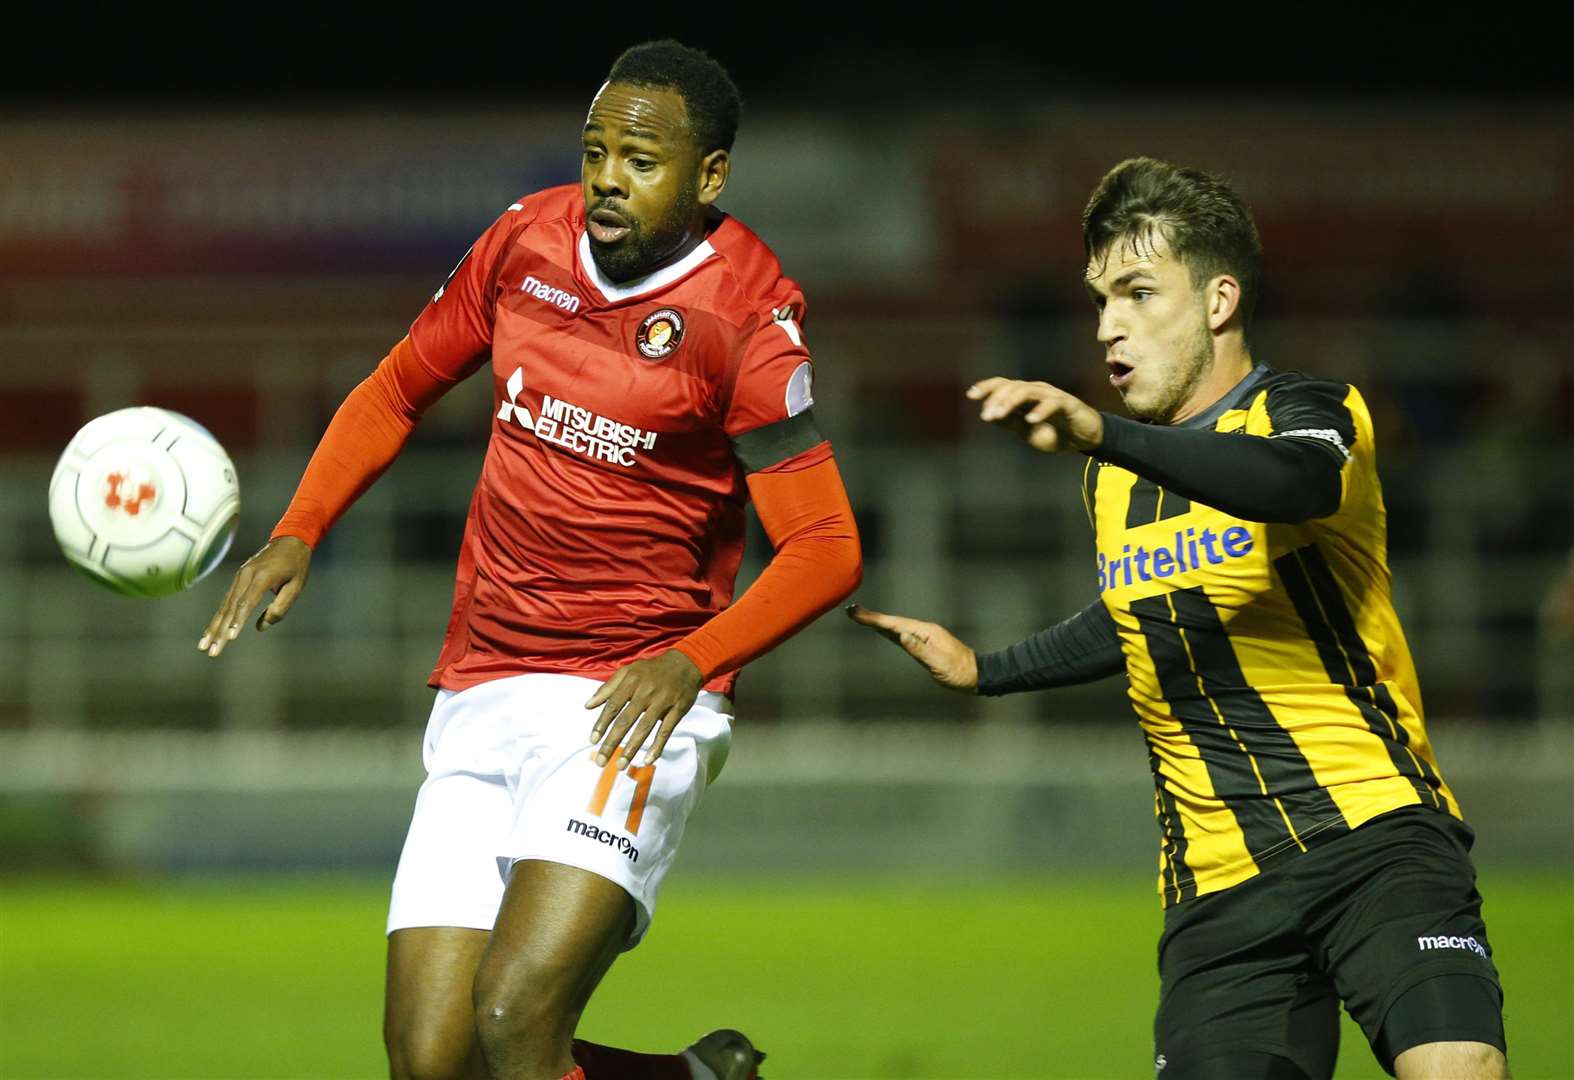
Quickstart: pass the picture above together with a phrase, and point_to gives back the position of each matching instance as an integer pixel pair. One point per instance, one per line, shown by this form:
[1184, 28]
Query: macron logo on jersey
[534, 286]
[576, 429]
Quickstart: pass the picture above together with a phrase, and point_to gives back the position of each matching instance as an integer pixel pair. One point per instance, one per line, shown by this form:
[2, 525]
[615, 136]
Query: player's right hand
[281, 568]
[951, 662]
[1048, 418]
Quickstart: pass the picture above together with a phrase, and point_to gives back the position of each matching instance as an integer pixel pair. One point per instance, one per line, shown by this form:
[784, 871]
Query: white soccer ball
[144, 501]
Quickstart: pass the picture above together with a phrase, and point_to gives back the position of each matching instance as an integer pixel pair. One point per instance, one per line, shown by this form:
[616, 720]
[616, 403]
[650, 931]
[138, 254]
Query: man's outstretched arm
[362, 440]
[1253, 478]
[1292, 476]
[1083, 648]
[447, 343]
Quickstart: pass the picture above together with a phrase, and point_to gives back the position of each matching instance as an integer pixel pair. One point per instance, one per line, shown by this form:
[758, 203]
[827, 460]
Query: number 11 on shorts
[642, 775]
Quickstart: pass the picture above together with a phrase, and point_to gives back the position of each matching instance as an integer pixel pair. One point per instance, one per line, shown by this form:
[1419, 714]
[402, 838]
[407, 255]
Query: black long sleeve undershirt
[1080, 649]
[1249, 477]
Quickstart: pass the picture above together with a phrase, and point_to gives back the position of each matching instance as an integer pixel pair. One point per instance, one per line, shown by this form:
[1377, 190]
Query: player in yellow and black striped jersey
[1310, 850]
[1266, 664]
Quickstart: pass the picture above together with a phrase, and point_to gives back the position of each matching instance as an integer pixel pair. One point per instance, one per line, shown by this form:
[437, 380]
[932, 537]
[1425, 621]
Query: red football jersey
[608, 520]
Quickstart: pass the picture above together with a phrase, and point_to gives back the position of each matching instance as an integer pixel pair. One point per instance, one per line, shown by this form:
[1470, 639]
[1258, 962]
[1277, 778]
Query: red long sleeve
[362, 440]
[805, 511]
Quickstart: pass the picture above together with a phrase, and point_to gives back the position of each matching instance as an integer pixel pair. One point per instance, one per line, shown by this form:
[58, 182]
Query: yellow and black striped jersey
[1267, 666]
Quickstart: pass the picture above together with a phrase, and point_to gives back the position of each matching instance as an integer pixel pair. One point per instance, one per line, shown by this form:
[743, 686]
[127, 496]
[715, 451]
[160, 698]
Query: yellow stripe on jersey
[1267, 667]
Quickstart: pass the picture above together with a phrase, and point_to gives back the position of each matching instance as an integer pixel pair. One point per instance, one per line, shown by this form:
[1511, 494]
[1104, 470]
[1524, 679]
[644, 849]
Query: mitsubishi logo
[511, 407]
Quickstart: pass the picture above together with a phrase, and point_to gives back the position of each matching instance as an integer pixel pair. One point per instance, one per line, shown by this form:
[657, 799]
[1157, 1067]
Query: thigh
[1400, 932]
[428, 1015]
[557, 934]
[625, 826]
[1477, 1060]
[1447, 1025]
[1238, 982]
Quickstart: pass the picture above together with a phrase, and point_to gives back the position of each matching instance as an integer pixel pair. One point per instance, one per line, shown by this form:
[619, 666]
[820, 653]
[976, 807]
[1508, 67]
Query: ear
[715, 167]
[1224, 300]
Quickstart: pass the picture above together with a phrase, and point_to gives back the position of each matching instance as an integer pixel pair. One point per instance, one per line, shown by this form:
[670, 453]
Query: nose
[606, 180]
[1112, 328]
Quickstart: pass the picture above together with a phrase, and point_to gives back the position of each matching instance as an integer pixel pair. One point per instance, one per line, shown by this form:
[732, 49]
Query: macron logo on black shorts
[1445, 942]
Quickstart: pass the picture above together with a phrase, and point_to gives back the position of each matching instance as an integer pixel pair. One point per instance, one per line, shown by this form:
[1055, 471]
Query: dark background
[789, 56]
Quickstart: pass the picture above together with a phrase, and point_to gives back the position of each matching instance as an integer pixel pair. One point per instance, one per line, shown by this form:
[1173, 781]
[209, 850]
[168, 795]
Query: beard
[1191, 367]
[645, 247]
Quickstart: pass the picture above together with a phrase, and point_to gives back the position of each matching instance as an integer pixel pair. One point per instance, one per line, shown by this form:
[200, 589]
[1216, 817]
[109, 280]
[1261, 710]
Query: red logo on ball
[124, 500]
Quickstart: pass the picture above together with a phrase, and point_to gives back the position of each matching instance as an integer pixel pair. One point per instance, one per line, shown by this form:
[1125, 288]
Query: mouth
[1120, 372]
[607, 226]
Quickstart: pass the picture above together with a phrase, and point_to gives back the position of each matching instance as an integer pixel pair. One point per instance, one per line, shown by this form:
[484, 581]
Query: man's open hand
[1047, 417]
[951, 662]
[645, 696]
[280, 568]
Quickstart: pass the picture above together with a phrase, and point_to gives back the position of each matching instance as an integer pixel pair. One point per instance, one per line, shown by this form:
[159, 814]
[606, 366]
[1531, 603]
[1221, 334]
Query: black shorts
[1385, 918]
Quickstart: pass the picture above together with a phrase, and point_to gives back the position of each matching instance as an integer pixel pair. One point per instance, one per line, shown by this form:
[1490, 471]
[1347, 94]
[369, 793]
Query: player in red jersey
[649, 377]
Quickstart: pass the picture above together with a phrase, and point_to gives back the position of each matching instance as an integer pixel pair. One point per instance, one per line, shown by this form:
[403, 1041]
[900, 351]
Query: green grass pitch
[839, 980]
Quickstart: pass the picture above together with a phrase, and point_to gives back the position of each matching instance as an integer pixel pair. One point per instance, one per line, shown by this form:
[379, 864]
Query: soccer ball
[144, 501]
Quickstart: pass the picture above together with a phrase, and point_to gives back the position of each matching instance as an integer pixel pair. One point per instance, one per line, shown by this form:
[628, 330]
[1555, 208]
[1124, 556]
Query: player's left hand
[1047, 417]
[645, 696]
[951, 661]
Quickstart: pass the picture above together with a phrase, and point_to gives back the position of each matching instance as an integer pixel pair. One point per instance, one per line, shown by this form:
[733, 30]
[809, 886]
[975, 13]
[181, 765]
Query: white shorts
[509, 776]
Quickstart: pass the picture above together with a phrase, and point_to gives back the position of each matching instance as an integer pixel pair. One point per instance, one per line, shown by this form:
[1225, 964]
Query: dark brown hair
[1207, 225]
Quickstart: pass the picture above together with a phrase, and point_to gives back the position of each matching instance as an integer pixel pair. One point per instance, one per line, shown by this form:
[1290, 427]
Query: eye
[1139, 295]
[642, 164]
[592, 154]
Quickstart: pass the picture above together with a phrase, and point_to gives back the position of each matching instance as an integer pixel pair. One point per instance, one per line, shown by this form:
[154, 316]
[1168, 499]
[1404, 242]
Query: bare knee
[556, 934]
[527, 1015]
[1452, 1061]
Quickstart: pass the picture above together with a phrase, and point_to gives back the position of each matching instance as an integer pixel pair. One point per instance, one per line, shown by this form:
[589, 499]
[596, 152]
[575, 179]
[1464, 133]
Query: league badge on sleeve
[659, 334]
[800, 389]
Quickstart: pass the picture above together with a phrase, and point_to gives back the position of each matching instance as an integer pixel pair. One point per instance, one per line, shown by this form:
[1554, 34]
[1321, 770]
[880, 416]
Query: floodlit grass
[849, 979]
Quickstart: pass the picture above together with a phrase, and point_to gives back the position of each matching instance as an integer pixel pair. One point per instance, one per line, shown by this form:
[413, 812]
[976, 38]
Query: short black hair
[707, 90]
[1207, 224]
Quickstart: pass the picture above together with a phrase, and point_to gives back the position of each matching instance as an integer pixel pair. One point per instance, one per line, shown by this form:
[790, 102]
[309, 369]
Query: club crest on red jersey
[659, 334]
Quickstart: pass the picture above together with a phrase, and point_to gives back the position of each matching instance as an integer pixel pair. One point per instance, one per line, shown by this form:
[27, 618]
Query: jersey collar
[658, 279]
[1231, 400]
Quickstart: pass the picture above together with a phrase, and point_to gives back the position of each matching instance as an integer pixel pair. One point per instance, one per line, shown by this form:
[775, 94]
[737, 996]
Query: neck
[1232, 362]
[695, 235]
[690, 241]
